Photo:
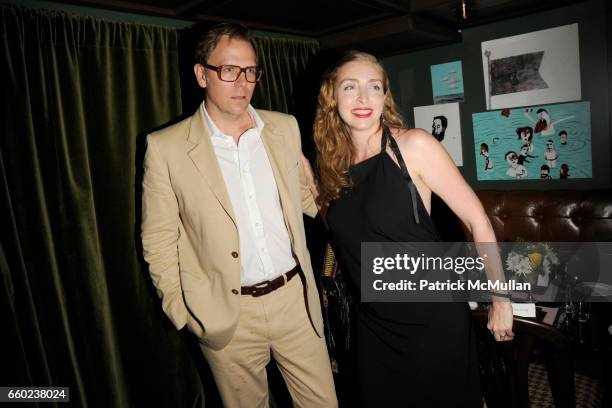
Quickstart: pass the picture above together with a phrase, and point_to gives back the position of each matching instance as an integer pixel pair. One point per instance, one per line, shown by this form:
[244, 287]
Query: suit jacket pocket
[195, 327]
[192, 292]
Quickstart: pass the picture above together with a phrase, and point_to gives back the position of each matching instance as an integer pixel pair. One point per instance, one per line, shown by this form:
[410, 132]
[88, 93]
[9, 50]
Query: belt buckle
[260, 288]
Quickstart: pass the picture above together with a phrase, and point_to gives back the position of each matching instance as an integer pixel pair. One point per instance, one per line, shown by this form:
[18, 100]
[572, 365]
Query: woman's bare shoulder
[411, 139]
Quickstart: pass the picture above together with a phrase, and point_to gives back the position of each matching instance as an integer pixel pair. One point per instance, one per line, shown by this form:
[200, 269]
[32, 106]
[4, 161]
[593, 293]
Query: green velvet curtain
[283, 60]
[77, 308]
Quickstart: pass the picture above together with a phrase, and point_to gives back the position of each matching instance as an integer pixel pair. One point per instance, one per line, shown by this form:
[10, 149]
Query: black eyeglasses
[231, 73]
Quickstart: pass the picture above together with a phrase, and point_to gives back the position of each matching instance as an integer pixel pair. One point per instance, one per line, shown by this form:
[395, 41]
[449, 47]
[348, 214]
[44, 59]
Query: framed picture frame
[447, 82]
[540, 142]
[540, 67]
[444, 123]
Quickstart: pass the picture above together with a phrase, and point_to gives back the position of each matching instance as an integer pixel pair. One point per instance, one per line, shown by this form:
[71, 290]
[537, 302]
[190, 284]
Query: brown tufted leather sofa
[562, 216]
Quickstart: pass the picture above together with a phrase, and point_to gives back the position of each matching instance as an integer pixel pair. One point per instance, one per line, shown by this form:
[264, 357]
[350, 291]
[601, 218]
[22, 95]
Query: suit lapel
[204, 158]
[273, 142]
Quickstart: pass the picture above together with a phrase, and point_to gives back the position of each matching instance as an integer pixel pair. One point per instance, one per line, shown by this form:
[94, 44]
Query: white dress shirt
[265, 248]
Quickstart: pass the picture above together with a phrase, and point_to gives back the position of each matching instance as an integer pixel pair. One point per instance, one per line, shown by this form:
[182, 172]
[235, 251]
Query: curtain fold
[78, 309]
[283, 61]
[79, 96]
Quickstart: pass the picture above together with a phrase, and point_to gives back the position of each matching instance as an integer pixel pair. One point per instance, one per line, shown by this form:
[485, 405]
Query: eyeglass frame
[217, 69]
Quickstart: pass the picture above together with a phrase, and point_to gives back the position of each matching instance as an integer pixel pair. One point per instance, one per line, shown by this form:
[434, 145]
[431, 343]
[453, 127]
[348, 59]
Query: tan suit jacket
[189, 233]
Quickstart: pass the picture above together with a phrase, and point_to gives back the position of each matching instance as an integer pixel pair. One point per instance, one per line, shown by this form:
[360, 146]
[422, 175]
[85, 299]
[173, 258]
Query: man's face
[549, 145]
[512, 159]
[436, 126]
[525, 134]
[543, 173]
[228, 99]
[524, 150]
[563, 138]
[544, 116]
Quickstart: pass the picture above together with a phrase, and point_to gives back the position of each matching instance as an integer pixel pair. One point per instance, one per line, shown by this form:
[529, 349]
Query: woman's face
[360, 95]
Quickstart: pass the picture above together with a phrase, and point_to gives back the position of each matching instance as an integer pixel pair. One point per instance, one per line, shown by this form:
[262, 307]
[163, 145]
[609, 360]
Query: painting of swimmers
[538, 142]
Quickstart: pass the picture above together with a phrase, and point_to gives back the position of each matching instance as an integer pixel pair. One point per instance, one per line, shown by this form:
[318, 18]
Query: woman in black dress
[376, 182]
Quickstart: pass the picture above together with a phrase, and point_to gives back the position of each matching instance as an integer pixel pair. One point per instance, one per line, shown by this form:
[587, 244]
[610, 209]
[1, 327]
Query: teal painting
[447, 82]
[540, 142]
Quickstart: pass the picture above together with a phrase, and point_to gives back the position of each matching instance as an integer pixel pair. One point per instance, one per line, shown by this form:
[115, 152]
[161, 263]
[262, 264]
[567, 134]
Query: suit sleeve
[160, 233]
[309, 206]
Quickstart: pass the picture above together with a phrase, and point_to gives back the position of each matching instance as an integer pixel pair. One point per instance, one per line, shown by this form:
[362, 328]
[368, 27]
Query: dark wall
[411, 85]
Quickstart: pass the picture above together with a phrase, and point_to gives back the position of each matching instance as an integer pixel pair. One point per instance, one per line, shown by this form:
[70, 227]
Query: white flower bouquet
[532, 262]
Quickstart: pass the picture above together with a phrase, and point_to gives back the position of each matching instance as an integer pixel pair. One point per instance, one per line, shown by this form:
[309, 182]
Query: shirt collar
[216, 133]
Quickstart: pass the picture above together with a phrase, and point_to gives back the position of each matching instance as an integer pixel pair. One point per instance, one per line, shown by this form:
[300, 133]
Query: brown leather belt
[268, 286]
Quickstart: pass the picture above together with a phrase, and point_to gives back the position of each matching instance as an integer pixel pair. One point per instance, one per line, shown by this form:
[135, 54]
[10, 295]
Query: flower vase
[532, 279]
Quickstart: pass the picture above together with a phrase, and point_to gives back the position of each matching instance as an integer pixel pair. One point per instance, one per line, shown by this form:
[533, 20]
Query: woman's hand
[500, 320]
[432, 168]
[310, 177]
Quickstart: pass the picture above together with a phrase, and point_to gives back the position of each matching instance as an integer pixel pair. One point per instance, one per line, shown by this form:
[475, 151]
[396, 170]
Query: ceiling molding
[388, 25]
[407, 24]
[125, 6]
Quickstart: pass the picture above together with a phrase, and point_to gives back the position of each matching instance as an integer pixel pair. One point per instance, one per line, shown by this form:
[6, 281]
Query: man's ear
[199, 71]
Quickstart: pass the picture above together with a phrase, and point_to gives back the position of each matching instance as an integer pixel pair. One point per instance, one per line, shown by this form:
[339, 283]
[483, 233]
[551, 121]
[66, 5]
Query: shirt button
[234, 254]
[235, 291]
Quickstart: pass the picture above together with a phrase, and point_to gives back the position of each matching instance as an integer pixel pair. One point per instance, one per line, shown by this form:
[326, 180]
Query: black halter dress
[405, 354]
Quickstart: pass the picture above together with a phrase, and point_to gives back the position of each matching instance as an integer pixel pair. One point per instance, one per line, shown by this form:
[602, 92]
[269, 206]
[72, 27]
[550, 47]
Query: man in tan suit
[222, 231]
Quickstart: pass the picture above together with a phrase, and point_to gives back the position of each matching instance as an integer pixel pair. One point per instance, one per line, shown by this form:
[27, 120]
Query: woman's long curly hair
[335, 151]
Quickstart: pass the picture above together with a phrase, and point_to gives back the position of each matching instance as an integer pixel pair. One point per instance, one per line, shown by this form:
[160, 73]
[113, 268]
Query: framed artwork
[533, 68]
[444, 123]
[447, 82]
[540, 142]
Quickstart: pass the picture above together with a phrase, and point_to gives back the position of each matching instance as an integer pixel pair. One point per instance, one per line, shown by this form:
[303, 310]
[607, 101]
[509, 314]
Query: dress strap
[387, 138]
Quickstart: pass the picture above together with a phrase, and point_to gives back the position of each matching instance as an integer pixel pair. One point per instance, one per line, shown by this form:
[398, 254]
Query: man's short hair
[209, 40]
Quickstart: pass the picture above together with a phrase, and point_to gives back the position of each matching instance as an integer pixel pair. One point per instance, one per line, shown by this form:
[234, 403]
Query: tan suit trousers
[273, 325]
